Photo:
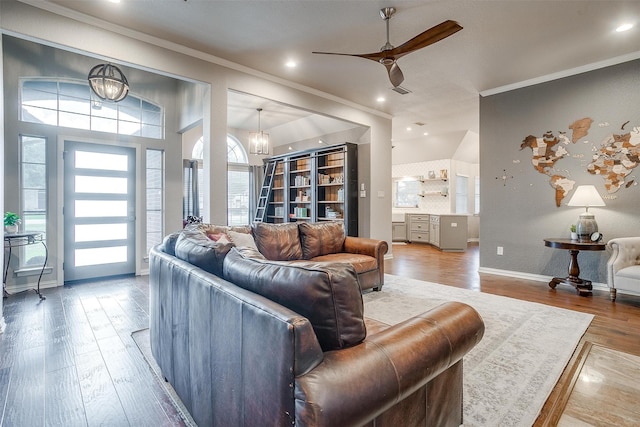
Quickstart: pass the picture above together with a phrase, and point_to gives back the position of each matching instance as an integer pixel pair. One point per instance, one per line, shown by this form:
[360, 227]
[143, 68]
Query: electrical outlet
[500, 250]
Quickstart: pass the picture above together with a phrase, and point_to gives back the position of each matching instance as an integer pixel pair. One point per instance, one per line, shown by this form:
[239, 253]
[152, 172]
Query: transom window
[70, 103]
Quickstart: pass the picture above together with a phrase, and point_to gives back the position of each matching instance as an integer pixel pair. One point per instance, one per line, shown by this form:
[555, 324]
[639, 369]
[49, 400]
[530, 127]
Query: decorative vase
[11, 229]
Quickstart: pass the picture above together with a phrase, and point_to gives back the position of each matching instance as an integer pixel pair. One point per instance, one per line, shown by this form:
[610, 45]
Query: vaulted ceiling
[503, 44]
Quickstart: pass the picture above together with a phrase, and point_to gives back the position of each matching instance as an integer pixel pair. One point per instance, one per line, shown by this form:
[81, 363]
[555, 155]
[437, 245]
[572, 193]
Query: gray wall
[521, 213]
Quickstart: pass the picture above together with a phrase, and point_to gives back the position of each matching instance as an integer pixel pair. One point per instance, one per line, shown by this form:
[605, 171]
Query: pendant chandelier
[108, 82]
[259, 141]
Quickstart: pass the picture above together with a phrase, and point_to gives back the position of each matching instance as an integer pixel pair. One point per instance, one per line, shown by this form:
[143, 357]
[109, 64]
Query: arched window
[70, 103]
[235, 151]
[237, 183]
[237, 180]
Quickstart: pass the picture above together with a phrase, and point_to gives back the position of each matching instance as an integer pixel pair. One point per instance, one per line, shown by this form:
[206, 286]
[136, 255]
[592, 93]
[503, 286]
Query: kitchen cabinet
[399, 231]
[448, 232]
[417, 227]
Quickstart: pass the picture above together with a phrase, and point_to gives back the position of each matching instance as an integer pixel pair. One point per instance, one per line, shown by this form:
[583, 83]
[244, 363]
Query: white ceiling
[503, 43]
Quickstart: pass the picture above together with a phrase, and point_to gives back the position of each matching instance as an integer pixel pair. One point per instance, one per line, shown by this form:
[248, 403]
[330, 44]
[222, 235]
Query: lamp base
[586, 226]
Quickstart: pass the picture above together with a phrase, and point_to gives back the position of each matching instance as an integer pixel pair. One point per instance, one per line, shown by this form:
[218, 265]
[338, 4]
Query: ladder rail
[265, 191]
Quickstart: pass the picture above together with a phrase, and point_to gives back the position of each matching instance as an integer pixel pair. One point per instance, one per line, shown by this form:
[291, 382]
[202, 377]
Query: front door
[99, 210]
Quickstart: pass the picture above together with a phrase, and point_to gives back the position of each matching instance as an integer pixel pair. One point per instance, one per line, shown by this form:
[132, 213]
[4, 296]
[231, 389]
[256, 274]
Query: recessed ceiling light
[381, 99]
[409, 129]
[291, 63]
[114, 1]
[290, 148]
[426, 133]
[320, 141]
[624, 27]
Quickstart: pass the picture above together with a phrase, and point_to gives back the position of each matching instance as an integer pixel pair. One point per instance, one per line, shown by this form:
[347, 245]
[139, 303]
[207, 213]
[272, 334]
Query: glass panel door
[99, 211]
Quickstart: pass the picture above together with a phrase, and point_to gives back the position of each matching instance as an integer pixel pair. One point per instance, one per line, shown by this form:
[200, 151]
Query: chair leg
[612, 294]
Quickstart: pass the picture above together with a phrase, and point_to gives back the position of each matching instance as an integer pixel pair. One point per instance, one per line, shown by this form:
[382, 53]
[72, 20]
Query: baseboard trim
[14, 289]
[531, 276]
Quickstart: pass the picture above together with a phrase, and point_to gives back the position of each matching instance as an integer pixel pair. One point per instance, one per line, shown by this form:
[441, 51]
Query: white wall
[2, 323]
[181, 62]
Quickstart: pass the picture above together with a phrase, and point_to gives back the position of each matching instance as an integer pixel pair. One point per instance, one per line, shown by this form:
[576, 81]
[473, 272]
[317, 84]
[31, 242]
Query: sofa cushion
[321, 238]
[242, 239]
[195, 247]
[328, 295]
[168, 245]
[278, 242]
[361, 263]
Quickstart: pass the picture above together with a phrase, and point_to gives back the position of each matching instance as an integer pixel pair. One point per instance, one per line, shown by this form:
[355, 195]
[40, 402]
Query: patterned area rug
[511, 372]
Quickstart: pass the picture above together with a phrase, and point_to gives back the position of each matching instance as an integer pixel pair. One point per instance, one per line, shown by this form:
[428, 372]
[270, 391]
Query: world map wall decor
[614, 160]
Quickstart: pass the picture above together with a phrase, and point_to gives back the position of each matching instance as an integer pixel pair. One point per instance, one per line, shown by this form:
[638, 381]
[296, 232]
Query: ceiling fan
[389, 55]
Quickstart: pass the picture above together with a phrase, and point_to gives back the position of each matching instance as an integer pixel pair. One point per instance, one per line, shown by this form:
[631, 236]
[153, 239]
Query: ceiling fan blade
[395, 74]
[376, 56]
[426, 38]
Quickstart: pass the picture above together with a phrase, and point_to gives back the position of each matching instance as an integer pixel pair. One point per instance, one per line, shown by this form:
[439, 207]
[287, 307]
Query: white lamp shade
[587, 196]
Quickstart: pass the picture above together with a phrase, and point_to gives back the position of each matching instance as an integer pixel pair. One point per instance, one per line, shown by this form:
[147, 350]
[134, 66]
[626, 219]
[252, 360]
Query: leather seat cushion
[277, 242]
[321, 238]
[361, 263]
[328, 295]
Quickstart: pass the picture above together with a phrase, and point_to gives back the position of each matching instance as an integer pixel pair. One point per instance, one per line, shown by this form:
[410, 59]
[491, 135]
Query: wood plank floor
[70, 360]
[615, 326]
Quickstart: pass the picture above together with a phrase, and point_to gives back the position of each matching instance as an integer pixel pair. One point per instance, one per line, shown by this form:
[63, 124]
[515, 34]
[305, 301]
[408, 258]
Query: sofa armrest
[355, 385]
[371, 247]
[625, 252]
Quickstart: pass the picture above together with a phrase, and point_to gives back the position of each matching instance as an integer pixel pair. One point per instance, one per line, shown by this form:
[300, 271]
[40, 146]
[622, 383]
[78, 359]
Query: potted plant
[574, 234]
[11, 222]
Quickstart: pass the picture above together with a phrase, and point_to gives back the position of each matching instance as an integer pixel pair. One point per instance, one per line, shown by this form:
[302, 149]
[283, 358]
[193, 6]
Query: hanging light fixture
[259, 141]
[108, 82]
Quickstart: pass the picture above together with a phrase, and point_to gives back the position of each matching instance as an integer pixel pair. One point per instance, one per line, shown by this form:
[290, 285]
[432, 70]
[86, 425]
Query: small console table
[583, 287]
[24, 238]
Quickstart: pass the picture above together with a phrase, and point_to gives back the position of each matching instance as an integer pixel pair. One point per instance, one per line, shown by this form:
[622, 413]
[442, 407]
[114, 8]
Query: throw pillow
[321, 238]
[241, 239]
[328, 295]
[197, 249]
[278, 242]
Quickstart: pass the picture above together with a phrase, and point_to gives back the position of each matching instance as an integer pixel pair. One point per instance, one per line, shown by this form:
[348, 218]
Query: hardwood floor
[70, 360]
[616, 325]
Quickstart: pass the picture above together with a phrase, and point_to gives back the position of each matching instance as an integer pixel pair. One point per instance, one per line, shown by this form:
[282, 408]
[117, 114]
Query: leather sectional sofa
[249, 341]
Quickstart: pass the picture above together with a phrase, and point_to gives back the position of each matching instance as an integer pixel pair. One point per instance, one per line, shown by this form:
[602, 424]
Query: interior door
[99, 210]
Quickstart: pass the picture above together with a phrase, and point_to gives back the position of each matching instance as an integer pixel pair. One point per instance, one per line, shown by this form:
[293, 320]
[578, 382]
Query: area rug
[509, 375]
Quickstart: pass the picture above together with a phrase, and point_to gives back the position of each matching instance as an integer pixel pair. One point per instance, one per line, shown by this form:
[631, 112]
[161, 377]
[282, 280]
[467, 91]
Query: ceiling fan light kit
[389, 55]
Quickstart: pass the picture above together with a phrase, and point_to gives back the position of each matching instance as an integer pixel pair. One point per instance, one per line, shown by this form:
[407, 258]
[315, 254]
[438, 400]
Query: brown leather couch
[294, 242]
[282, 343]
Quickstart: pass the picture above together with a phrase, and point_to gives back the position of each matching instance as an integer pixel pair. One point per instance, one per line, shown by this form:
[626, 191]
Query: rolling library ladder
[312, 185]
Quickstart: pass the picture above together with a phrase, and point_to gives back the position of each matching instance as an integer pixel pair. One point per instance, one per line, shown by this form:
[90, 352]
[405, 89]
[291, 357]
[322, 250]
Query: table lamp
[587, 196]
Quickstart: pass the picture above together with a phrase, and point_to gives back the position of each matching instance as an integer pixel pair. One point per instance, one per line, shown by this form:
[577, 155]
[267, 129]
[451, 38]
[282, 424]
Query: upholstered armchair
[623, 268]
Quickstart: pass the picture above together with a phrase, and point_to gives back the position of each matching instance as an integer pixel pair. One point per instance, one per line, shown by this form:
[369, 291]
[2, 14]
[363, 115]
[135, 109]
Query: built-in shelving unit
[315, 185]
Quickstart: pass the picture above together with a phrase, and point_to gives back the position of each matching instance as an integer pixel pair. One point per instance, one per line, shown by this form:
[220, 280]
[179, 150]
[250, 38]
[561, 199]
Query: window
[462, 194]
[155, 197]
[70, 103]
[33, 192]
[237, 183]
[476, 207]
[406, 193]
